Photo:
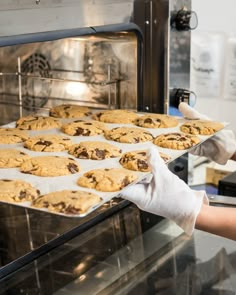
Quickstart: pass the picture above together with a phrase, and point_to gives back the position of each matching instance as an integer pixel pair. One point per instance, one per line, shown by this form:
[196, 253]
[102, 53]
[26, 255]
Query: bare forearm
[217, 220]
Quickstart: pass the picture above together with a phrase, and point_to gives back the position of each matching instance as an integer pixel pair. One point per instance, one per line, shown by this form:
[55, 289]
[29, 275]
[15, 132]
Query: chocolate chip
[142, 164]
[125, 182]
[83, 155]
[148, 120]
[45, 204]
[44, 142]
[142, 153]
[87, 132]
[71, 210]
[22, 195]
[21, 153]
[100, 153]
[79, 131]
[60, 204]
[73, 168]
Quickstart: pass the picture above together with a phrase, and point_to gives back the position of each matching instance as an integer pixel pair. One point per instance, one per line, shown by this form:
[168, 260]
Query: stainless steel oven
[131, 54]
[109, 54]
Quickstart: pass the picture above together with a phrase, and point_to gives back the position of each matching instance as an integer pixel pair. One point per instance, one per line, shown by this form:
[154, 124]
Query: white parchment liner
[68, 182]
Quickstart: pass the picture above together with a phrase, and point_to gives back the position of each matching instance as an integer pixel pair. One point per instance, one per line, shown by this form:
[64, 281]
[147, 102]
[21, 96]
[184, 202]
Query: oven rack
[99, 83]
[111, 86]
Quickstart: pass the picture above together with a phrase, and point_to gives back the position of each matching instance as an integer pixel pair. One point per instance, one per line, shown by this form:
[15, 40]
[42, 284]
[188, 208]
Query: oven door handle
[223, 200]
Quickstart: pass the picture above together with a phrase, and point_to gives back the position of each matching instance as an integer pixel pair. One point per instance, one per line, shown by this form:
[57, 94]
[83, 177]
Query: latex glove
[219, 148]
[167, 195]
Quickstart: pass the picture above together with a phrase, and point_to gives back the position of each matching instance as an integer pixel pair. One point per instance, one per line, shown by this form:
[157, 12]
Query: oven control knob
[184, 20]
[182, 95]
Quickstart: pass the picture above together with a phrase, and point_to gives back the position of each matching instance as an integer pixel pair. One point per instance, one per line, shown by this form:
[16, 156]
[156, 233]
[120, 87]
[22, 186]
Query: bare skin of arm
[220, 221]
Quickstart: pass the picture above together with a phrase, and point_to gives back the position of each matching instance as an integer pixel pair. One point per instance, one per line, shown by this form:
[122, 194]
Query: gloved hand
[167, 195]
[219, 148]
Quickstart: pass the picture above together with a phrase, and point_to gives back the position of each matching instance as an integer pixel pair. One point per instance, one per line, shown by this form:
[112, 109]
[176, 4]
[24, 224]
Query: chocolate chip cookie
[12, 135]
[48, 143]
[94, 150]
[84, 128]
[50, 166]
[201, 127]
[128, 135]
[37, 123]
[67, 201]
[156, 121]
[176, 140]
[11, 158]
[115, 116]
[17, 191]
[69, 111]
[137, 160]
[107, 180]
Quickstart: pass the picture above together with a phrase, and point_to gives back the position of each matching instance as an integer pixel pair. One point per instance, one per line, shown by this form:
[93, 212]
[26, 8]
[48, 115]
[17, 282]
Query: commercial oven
[105, 54]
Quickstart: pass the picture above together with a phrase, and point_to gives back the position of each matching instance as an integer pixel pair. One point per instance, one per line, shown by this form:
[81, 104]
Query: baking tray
[68, 182]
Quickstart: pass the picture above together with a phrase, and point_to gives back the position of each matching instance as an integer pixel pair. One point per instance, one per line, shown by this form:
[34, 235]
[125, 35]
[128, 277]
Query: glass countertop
[131, 252]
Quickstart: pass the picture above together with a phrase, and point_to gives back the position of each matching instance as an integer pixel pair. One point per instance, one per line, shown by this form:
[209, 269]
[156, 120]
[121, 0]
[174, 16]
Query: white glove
[219, 148]
[167, 195]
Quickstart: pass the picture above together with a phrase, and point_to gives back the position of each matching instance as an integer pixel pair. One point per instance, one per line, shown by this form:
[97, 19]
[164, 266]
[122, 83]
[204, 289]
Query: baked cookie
[115, 116]
[11, 158]
[137, 160]
[84, 128]
[48, 143]
[50, 166]
[69, 111]
[201, 127]
[107, 180]
[94, 150]
[67, 201]
[156, 121]
[176, 141]
[12, 135]
[17, 191]
[37, 123]
[128, 135]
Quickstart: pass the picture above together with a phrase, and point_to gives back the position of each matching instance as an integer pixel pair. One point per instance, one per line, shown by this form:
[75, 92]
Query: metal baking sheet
[68, 182]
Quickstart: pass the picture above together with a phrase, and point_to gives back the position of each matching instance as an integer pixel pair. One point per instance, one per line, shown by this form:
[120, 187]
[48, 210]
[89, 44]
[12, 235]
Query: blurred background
[213, 59]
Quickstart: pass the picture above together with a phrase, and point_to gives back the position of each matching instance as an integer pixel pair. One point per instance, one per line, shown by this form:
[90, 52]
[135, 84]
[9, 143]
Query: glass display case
[126, 252]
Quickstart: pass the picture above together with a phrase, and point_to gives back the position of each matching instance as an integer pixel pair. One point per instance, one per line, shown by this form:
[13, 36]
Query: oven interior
[98, 71]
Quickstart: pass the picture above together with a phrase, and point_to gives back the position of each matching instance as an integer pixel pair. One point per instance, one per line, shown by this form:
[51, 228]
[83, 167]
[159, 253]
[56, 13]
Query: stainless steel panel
[25, 18]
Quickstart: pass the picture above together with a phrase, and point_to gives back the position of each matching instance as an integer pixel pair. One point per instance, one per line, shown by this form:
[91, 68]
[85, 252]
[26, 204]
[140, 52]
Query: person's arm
[217, 220]
[168, 196]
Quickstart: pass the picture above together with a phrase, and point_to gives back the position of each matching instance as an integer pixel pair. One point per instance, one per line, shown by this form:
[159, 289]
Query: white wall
[216, 16]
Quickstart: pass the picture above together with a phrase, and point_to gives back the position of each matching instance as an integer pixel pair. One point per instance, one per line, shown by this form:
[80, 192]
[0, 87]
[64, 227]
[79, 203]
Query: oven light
[76, 88]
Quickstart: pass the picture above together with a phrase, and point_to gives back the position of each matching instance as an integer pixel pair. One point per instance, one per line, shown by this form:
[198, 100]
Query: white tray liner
[68, 182]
